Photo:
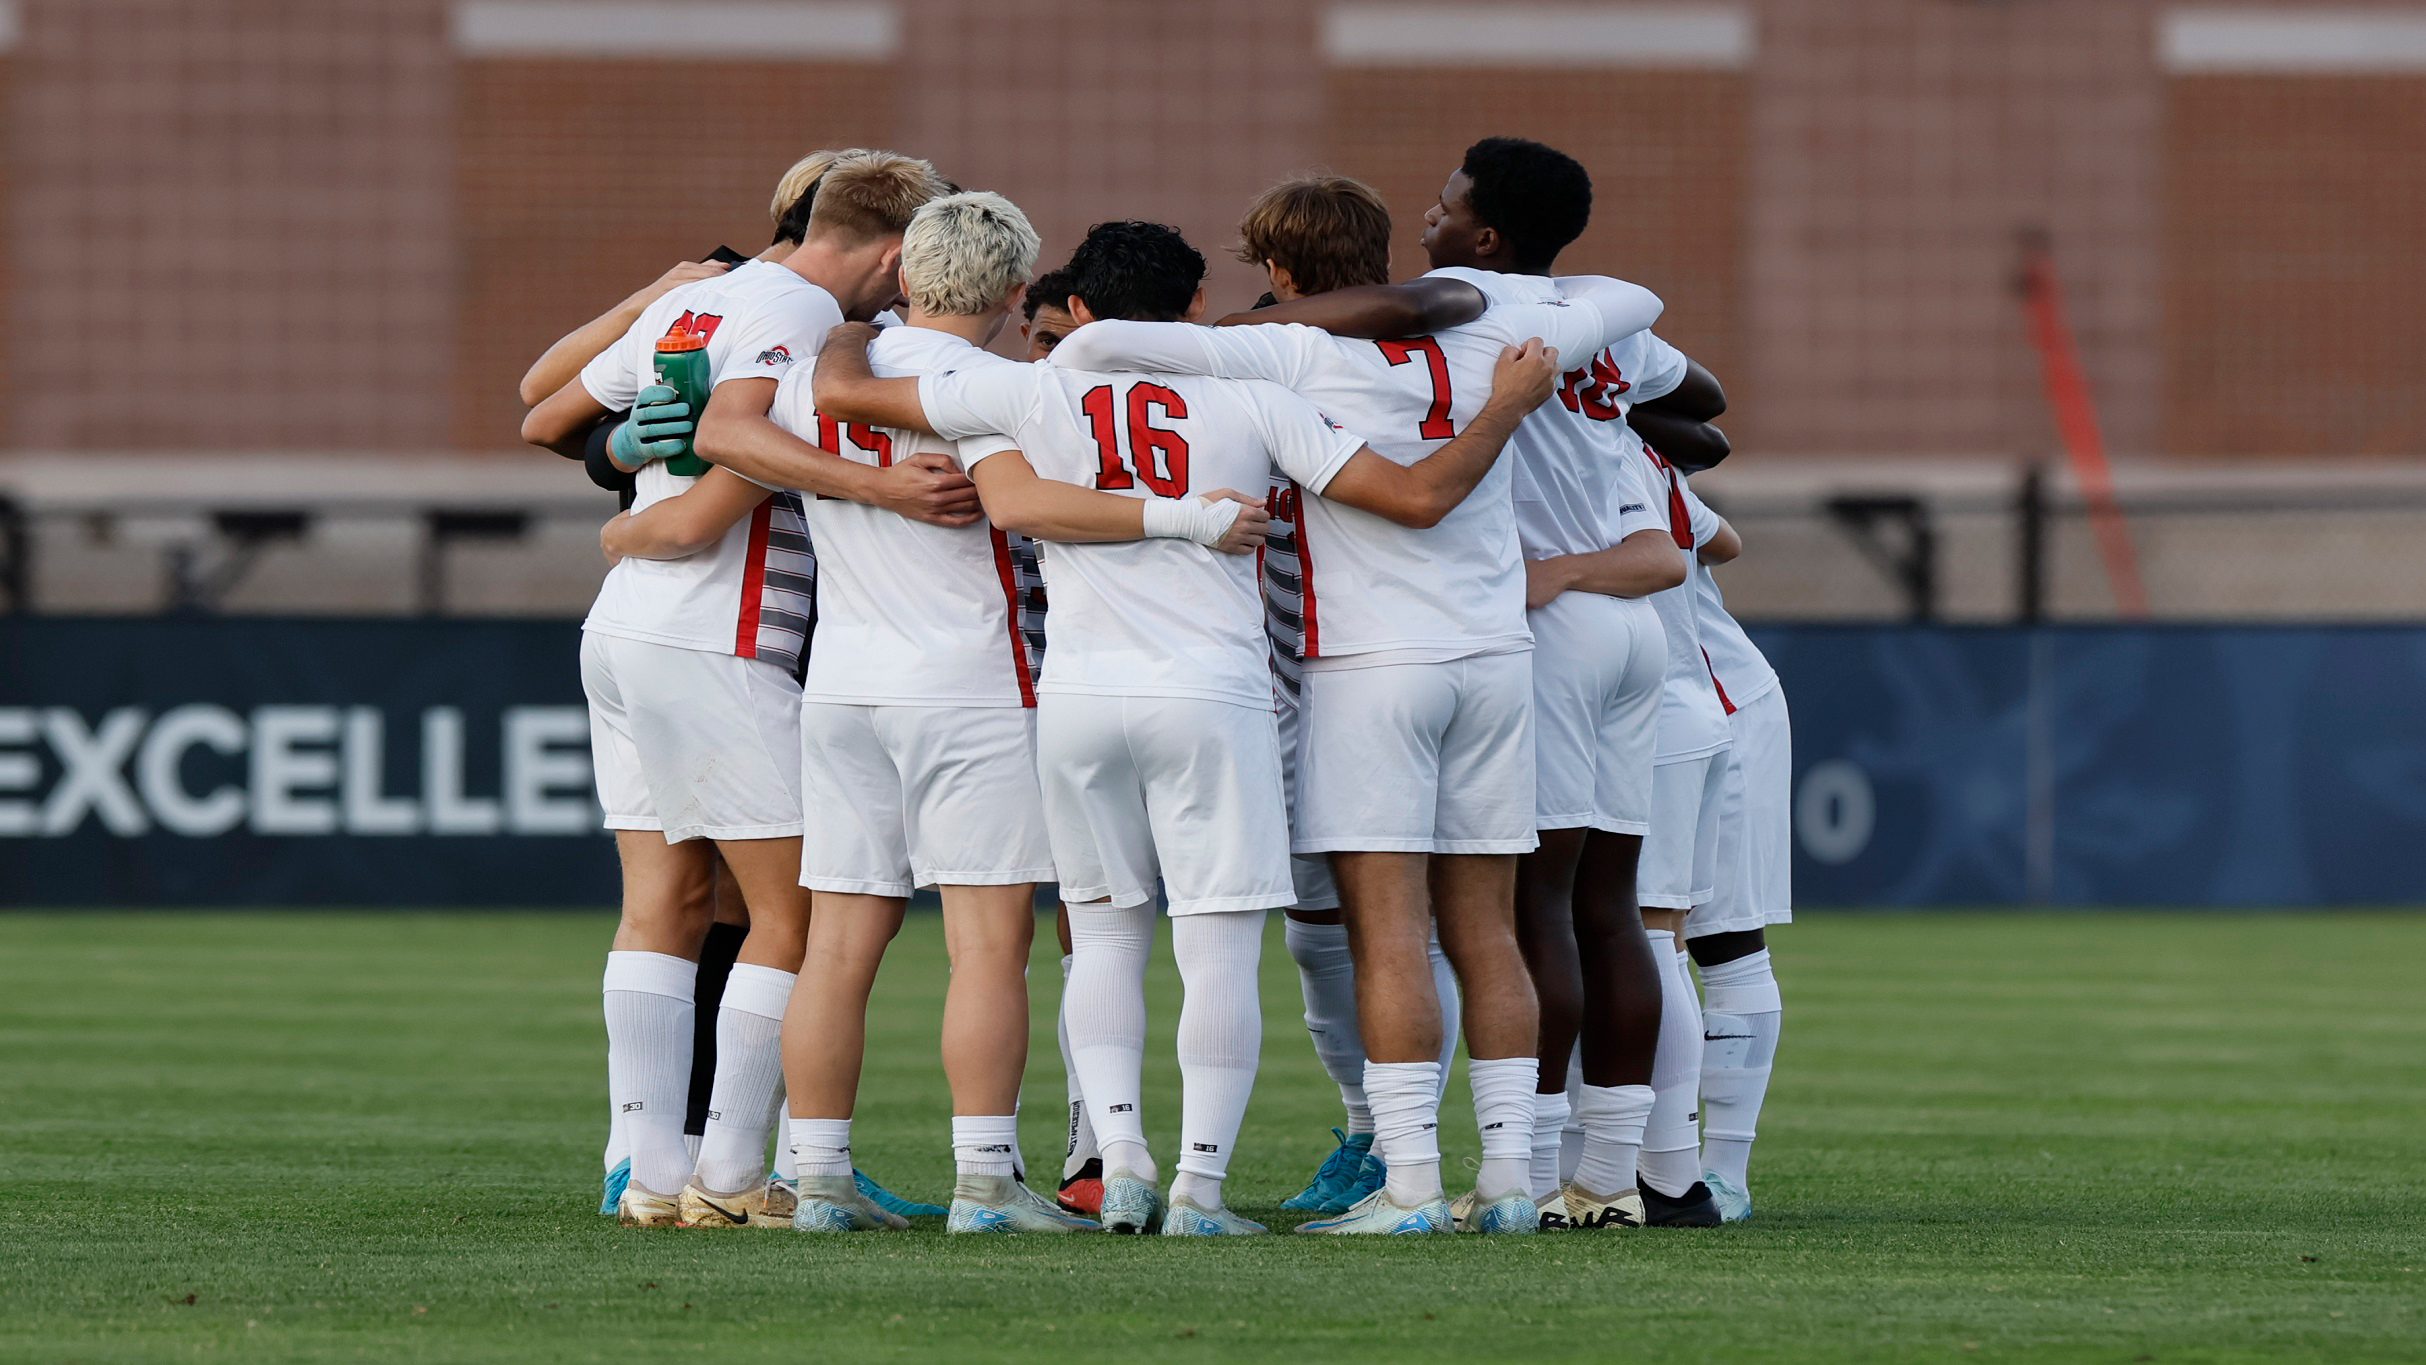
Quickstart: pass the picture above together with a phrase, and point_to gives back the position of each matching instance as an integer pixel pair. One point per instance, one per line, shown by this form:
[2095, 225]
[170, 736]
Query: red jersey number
[1436, 425]
[1594, 390]
[830, 434]
[1155, 454]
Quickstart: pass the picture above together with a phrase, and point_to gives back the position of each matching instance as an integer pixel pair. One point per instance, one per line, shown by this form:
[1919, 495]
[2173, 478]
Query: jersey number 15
[1155, 455]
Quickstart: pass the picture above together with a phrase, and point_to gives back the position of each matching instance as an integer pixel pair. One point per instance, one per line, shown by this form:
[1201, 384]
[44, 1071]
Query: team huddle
[1387, 606]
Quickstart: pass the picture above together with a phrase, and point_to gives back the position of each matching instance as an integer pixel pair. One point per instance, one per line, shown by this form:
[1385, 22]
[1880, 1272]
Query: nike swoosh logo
[736, 1219]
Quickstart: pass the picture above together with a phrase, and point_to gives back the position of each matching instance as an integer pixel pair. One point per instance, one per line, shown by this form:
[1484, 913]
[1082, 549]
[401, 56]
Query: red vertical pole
[2076, 426]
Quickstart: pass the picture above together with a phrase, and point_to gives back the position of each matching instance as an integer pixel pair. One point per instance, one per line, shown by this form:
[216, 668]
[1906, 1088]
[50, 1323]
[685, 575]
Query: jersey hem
[686, 833]
[930, 703]
[1249, 703]
[1688, 755]
[623, 632]
[1497, 644]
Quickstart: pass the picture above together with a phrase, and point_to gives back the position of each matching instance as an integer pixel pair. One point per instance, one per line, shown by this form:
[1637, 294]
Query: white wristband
[1190, 518]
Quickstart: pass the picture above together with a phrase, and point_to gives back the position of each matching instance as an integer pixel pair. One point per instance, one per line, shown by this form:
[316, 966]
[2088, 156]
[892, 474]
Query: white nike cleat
[1130, 1203]
[1187, 1218]
[639, 1208]
[1376, 1214]
[833, 1203]
[769, 1206]
[998, 1203]
[1589, 1212]
[1734, 1201]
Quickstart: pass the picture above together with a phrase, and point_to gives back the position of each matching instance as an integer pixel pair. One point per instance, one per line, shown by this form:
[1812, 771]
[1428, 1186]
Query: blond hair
[964, 253]
[803, 173]
[1327, 231]
[867, 195]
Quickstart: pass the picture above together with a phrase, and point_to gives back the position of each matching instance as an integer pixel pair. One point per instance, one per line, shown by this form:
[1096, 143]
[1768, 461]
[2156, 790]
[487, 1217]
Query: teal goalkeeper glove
[659, 428]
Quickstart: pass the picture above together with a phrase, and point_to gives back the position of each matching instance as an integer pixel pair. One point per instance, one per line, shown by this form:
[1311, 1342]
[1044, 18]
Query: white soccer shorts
[694, 744]
[1755, 864]
[1598, 666]
[1178, 788]
[1419, 758]
[911, 796]
[1311, 872]
[1680, 854]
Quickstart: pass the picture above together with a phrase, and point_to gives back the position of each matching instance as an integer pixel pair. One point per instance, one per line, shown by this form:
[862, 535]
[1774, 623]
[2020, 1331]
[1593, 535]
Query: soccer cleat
[1187, 1219]
[771, 1205]
[639, 1208]
[1515, 1212]
[1376, 1214]
[1082, 1193]
[611, 1188]
[1692, 1209]
[1553, 1213]
[999, 1203]
[1461, 1210]
[833, 1203]
[1130, 1204]
[1328, 1191]
[1589, 1212]
[1733, 1200]
[1371, 1176]
[890, 1202]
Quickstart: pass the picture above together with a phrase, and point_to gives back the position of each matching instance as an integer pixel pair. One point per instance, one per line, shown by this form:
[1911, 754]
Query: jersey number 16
[1157, 456]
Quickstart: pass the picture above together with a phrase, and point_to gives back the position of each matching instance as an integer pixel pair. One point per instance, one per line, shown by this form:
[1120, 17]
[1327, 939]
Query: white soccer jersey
[1738, 668]
[908, 614]
[1157, 617]
[1578, 488]
[1692, 720]
[750, 593]
[1372, 589]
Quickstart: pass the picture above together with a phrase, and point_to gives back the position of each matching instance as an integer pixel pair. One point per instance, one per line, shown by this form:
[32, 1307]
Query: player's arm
[1724, 546]
[1687, 443]
[848, 390]
[1420, 494]
[1638, 566]
[562, 421]
[737, 434]
[684, 524]
[1374, 311]
[1696, 398]
[1018, 499]
[1617, 308]
[556, 368]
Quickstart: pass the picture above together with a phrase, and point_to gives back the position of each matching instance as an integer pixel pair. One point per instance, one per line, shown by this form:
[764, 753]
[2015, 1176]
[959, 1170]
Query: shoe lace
[1343, 1163]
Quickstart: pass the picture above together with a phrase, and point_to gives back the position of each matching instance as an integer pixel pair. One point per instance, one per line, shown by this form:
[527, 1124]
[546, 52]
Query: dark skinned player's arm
[1689, 445]
[1421, 494]
[1377, 311]
[1699, 398]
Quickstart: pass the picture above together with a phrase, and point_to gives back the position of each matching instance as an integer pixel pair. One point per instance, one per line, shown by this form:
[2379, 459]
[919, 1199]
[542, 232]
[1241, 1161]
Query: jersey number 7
[1436, 424]
[1159, 457]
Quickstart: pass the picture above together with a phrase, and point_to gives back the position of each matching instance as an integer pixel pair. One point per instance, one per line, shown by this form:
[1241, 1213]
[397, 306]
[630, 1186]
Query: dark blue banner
[399, 762]
[2086, 765]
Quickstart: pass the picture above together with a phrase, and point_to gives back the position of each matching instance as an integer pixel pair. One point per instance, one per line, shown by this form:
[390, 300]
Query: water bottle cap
[682, 341]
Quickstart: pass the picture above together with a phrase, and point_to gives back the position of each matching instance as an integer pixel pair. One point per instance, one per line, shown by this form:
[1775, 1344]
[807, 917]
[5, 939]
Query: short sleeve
[981, 400]
[613, 375]
[976, 448]
[780, 334]
[1638, 507]
[1705, 522]
[1304, 444]
[1657, 368]
[1573, 329]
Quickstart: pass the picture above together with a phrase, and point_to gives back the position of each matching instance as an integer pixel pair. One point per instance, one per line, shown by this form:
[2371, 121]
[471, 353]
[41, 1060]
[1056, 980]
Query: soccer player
[1596, 546]
[1155, 731]
[918, 752]
[691, 666]
[1417, 773]
[1741, 1009]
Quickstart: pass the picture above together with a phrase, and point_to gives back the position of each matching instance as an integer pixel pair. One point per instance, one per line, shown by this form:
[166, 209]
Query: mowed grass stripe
[2093, 1137]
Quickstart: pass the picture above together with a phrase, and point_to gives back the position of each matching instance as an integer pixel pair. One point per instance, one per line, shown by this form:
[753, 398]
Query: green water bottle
[682, 365]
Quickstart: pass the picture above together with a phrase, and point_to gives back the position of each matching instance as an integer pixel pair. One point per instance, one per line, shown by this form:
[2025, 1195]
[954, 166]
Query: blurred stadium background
[273, 268]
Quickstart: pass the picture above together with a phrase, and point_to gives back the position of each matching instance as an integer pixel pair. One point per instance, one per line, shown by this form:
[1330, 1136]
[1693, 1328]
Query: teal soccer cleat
[893, 1203]
[611, 1188]
[1329, 1191]
[1733, 1200]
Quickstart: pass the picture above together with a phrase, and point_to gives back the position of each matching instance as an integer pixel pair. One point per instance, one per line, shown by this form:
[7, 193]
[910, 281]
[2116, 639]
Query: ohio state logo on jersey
[775, 355]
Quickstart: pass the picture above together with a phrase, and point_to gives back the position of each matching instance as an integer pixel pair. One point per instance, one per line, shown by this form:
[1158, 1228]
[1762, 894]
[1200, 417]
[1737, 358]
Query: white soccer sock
[1452, 1007]
[985, 1144]
[1106, 1013]
[1503, 1111]
[1327, 979]
[1612, 1117]
[1672, 1157]
[821, 1146]
[749, 1079]
[618, 1146]
[1550, 1114]
[1221, 1032]
[1081, 1147]
[1741, 1018]
[648, 1022]
[1406, 1127]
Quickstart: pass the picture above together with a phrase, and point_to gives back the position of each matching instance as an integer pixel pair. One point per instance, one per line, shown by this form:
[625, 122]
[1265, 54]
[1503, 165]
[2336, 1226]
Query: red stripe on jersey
[1714, 682]
[1680, 521]
[1010, 600]
[753, 582]
[1312, 647]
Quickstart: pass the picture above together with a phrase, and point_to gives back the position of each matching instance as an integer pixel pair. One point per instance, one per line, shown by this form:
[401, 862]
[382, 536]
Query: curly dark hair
[1539, 198]
[1143, 272]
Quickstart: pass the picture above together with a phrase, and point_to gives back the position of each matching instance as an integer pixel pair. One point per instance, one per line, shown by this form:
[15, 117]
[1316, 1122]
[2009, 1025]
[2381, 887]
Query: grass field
[2055, 1137]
